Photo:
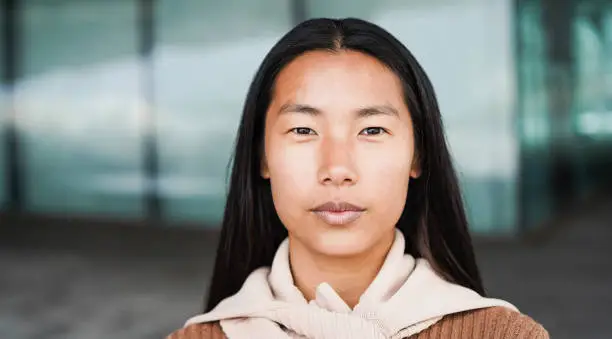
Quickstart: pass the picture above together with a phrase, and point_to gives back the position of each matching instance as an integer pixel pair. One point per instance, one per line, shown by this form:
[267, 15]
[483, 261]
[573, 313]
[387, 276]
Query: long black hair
[433, 221]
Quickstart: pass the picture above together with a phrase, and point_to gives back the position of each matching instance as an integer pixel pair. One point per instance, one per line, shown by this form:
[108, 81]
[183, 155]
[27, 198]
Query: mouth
[338, 213]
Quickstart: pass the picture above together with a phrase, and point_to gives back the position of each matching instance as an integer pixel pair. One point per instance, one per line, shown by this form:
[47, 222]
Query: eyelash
[310, 131]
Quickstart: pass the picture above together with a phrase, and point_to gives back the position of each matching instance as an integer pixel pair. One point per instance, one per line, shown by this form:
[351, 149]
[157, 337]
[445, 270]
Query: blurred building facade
[127, 110]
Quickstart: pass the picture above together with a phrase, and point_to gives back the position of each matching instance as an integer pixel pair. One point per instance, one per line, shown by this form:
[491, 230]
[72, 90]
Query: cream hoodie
[405, 298]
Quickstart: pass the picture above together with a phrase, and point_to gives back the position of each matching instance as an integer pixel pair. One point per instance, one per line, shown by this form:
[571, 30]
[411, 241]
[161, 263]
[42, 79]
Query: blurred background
[117, 120]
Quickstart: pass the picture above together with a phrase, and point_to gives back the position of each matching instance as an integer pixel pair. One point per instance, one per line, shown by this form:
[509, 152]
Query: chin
[344, 242]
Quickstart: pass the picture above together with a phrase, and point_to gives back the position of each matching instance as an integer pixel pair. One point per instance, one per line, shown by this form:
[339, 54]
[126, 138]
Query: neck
[349, 276]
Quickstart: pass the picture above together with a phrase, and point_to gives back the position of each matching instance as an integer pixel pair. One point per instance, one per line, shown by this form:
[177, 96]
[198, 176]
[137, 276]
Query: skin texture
[338, 129]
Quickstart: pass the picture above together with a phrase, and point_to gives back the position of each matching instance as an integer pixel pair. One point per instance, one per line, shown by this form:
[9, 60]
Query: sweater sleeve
[489, 323]
[199, 331]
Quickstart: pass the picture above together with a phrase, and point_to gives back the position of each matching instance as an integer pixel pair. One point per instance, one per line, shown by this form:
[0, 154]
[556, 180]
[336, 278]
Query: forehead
[326, 78]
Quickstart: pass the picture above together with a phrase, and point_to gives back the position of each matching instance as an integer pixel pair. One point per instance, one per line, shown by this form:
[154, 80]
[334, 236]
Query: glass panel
[206, 55]
[534, 126]
[78, 104]
[593, 103]
[565, 109]
[475, 87]
[3, 114]
[3, 164]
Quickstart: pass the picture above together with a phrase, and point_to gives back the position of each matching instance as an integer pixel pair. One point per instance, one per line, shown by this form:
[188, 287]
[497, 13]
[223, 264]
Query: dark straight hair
[433, 221]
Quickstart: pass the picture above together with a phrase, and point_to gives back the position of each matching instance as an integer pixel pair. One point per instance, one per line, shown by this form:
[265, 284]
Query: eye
[303, 131]
[373, 131]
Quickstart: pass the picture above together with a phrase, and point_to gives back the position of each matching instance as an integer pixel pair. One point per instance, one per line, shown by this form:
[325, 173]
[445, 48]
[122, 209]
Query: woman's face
[339, 152]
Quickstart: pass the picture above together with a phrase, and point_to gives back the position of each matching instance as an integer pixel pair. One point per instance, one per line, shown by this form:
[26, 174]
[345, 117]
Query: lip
[338, 213]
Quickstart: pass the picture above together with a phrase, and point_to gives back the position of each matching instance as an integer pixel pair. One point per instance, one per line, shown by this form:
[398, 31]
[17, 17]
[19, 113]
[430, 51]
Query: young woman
[344, 217]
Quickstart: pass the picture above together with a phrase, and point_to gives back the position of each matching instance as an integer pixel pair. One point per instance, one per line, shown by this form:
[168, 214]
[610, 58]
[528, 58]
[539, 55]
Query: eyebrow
[360, 113]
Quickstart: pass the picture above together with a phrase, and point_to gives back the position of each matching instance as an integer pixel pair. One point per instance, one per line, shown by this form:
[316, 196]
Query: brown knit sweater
[489, 323]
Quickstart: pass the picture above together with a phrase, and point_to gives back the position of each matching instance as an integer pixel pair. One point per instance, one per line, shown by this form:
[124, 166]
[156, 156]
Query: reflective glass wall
[77, 101]
[3, 116]
[565, 104]
[534, 123]
[592, 106]
[127, 109]
[5, 84]
[120, 101]
[205, 57]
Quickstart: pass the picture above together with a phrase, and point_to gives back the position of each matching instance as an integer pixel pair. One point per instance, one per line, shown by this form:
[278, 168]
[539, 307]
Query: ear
[415, 170]
[264, 171]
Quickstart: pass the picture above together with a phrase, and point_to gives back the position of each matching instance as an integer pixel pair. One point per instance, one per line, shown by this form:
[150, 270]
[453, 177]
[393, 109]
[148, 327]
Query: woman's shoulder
[199, 331]
[493, 322]
[489, 323]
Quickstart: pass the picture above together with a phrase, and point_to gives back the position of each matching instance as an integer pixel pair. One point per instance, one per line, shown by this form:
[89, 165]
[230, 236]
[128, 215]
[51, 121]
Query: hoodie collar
[270, 298]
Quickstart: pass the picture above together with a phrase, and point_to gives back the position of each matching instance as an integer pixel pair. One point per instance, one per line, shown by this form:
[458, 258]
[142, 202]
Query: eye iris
[372, 130]
[303, 130]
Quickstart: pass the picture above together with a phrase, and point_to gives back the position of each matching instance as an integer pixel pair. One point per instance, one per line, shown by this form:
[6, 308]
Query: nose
[337, 166]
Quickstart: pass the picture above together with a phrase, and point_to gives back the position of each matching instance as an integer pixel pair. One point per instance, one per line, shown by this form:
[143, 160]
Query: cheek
[292, 169]
[385, 174]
